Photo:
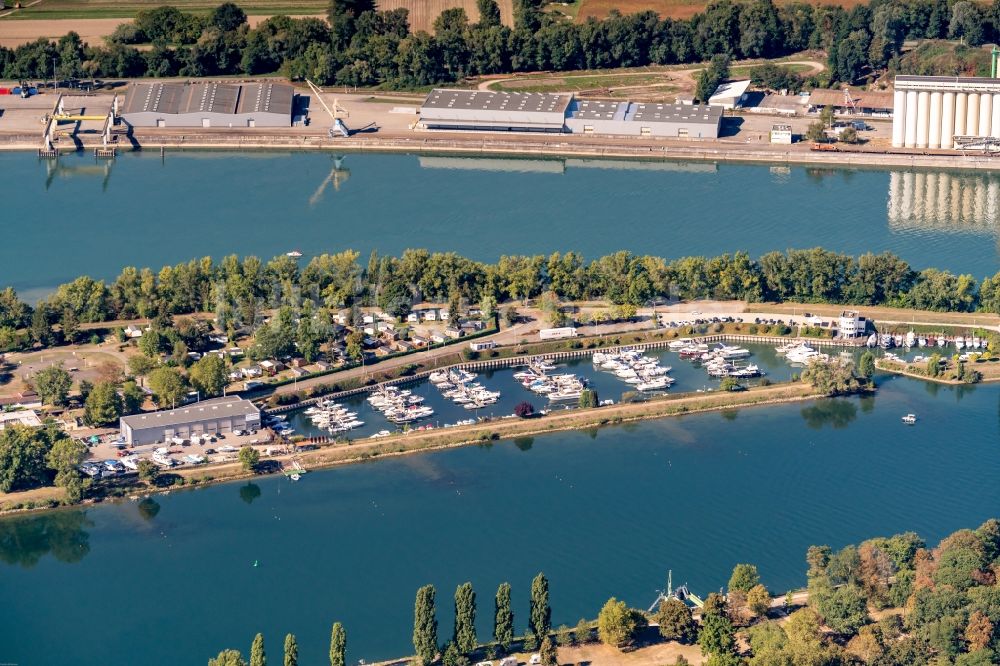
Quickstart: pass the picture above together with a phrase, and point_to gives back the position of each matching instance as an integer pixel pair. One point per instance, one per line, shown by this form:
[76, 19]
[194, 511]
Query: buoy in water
[255, 562]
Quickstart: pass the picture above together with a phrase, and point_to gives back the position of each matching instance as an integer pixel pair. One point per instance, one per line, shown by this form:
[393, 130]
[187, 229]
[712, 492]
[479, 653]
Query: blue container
[32, 91]
[15, 91]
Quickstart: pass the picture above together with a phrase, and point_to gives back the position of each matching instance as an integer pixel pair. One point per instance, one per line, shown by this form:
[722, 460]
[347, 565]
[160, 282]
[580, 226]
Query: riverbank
[332, 455]
[481, 144]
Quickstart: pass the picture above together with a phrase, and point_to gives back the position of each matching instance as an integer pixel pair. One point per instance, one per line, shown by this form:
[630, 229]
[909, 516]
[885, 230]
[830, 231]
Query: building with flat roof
[493, 111]
[23, 417]
[640, 119]
[945, 111]
[781, 134]
[176, 104]
[730, 95]
[206, 417]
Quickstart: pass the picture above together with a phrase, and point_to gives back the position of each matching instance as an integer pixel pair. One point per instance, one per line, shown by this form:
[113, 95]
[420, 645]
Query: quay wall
[555, 147]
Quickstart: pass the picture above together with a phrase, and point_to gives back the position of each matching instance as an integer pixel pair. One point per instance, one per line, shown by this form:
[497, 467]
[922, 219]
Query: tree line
[360, 46]
[934, 606]
[239, 291]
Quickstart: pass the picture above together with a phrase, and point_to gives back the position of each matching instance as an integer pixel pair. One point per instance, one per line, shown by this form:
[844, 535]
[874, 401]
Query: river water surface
[84, 217]
[605, 512]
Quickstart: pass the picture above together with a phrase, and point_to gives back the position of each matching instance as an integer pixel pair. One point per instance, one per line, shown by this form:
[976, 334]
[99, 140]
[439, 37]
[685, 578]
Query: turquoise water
[603, 513]
[84, 217]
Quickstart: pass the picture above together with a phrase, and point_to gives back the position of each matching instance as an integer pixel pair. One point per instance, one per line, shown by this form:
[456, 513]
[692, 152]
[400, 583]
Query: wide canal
[83, 217]
[604, 512]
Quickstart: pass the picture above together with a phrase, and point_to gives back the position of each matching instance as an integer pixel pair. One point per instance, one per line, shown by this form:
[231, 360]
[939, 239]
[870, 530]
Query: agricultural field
[423, 12]
[108, 9]
[678, 9]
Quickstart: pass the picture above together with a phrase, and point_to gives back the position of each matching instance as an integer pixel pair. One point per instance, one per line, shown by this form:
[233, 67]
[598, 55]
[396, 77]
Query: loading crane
[337, 113]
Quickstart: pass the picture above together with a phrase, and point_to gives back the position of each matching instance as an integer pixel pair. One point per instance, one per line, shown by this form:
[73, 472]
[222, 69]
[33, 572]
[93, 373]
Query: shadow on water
[833, 412]
[730, 414]
[25, 540]
[148, 508]
[524, 443]
[249, 492]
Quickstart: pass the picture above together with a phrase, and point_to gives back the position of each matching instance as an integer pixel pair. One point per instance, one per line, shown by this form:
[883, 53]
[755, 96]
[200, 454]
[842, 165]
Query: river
[604, 512]
[87, 217]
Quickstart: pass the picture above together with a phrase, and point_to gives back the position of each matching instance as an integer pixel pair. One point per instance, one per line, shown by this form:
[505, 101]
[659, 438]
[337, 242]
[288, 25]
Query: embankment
[429, 440]
[521, 146]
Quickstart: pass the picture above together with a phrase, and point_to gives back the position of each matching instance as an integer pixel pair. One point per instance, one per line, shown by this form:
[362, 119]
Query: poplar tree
[257, 656]
[291, 651]
[465, 619]
[541, 614]
[425, 625]
[338, 645]
[503, 618]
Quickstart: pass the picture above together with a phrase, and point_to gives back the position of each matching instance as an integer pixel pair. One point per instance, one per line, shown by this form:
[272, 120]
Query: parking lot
[218, 448]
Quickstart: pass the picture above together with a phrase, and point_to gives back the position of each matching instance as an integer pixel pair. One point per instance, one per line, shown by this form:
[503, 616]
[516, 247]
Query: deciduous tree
[540, 617]
[503, 618]
[425, 641]
[338, 645]
[465, 619]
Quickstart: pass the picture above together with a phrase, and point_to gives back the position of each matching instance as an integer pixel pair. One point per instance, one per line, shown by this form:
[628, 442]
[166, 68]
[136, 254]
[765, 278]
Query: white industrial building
[730, 95]
[781, 134]
[695, 121]
[176, 104]
[206, 417]
[935, 111]
[494, 111]
[537, 112]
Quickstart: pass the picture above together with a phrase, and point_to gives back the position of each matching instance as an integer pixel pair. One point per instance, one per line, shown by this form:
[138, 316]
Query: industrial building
[494, 111]
[695, 121]
[172, 104]
[944, 111]
[538, 112]
[854, 102]
[730, 95]
[206, 417]
[781, 134]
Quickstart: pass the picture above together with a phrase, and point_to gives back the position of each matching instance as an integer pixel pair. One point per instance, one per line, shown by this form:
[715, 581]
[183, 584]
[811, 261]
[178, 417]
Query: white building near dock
[937, 111]
[206, 417]
[851, 324]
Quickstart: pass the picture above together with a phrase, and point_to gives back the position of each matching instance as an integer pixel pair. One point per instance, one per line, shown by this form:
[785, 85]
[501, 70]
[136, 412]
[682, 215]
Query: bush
[524, 409]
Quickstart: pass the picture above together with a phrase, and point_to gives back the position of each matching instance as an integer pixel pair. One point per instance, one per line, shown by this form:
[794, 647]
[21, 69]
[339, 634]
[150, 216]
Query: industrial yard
[270, 113]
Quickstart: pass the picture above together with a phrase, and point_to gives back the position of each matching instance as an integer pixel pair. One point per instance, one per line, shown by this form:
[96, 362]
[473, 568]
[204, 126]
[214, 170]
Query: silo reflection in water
[942, 201]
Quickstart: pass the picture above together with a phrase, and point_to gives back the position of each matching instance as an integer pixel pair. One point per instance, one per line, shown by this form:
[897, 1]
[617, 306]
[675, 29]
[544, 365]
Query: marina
[491, 390]
[340, 529]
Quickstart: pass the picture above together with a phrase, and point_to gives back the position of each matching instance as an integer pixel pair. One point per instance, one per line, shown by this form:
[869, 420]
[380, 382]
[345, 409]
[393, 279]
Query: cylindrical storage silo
[995, 123]
[985, 113]
[923, 117]
[972, 115]
[934, 129]
[898, 118]
[910, 136]
[961, 103]
[948, 120]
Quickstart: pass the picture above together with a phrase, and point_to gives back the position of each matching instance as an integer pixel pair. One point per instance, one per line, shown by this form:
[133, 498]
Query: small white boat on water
[910, 419]
[294, 254]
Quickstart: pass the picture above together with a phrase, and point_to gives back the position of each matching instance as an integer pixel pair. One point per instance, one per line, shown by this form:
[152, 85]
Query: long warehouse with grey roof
[481, 110]
[170, 104]
[685, 121]
[205, 417]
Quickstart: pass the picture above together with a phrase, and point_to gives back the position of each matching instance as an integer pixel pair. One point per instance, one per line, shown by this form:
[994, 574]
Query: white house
[133, 331]
[482, 345]
[851, 324]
